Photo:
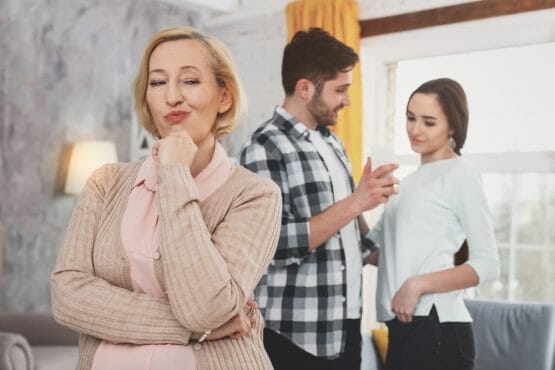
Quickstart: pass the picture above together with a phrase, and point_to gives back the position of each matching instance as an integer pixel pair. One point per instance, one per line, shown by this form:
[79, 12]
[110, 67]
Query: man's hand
[376, 186]
[374, 189]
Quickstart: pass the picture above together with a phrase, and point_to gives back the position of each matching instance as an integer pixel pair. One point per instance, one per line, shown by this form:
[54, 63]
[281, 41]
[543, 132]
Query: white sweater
[438, 206]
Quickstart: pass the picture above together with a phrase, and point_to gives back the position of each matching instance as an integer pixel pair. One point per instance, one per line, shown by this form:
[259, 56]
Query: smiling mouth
[176, 117]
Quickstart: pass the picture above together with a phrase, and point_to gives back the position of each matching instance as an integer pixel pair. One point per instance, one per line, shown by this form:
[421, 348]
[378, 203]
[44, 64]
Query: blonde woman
[161, 256]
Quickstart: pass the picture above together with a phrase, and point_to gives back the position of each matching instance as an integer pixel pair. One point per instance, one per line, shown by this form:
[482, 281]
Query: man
[310, 297]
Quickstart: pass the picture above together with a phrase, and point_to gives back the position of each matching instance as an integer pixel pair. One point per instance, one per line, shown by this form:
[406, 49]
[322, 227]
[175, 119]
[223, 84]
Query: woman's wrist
[417, 284]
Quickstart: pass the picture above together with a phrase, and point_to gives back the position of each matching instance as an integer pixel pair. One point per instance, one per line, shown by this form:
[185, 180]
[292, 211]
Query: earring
[451, 143]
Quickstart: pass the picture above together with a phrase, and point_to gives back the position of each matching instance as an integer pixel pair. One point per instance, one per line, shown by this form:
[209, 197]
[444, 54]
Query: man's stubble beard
[320, 111]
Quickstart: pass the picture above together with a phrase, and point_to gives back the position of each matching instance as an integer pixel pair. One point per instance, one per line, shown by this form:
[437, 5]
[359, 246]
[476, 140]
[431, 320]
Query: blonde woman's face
[182, 92]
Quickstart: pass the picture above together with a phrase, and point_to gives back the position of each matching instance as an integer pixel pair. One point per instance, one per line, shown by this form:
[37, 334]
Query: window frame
[379, 55]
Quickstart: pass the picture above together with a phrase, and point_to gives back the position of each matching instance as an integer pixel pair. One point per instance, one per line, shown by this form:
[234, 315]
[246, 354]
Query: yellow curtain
[341, 19]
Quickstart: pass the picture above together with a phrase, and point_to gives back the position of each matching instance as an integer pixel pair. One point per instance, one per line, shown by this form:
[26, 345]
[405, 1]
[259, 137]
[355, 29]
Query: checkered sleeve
[266, 160]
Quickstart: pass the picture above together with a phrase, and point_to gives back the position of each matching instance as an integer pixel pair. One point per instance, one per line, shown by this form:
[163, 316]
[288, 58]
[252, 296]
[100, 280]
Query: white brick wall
[257, 45]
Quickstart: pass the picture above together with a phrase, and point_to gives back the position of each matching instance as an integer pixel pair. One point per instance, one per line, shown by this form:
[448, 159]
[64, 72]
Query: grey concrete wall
[66, 72]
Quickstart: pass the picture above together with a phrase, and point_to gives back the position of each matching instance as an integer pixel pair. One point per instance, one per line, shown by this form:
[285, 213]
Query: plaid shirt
[303, 295]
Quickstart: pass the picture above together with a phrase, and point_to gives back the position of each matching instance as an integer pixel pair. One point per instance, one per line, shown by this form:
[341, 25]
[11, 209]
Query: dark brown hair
[315, 55]
[452, 99]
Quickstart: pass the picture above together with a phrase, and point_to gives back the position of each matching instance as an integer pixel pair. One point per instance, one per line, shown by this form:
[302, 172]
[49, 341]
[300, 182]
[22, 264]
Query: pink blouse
[140, 236]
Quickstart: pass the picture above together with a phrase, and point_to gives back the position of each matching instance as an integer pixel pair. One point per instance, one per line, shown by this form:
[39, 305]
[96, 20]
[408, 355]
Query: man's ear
[304, 89]
[225, 101]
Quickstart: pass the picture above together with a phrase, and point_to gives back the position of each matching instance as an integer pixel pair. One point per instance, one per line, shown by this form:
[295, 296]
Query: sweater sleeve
[471, 207]
[209, 277]
[93, 306]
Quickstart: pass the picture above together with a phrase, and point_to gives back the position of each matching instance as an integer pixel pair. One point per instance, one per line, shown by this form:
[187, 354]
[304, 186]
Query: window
[511, 142]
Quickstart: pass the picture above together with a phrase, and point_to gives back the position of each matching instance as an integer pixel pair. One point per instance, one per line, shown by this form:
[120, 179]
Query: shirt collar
[147, 175]
[209, 179]
[288, 122]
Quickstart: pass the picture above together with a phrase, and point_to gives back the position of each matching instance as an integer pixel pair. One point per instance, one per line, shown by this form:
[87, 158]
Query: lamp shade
[86, 157]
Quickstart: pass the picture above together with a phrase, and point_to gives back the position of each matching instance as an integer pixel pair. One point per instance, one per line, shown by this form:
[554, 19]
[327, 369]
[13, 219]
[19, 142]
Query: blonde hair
[222, 66]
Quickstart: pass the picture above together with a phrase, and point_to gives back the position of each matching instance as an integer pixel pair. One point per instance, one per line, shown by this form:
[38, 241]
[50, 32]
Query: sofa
[34, 341]
[509, 336]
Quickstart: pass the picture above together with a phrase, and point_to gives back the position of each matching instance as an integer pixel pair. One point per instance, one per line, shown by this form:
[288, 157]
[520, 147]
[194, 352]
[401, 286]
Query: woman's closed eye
[190, 81]
[156, 83]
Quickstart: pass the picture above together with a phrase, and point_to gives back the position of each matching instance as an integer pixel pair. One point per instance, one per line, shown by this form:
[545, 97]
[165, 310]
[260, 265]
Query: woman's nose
[413, 128]
[173, 95]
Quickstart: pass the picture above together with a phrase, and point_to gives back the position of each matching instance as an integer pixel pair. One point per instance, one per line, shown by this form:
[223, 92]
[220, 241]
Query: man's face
[329, 98]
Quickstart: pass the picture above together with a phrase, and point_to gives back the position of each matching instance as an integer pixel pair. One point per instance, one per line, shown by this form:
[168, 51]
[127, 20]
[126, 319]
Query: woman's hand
[239, 325]
[405, 300]
[176, 148]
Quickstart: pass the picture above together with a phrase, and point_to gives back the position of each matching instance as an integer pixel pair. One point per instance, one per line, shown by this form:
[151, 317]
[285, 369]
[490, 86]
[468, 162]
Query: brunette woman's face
[427, 128]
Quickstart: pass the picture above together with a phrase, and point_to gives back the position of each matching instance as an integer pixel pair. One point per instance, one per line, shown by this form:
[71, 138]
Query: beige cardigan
[213, 253]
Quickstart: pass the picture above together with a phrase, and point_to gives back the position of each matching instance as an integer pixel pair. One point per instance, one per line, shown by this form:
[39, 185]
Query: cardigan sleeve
[93, 306]
[210, 276]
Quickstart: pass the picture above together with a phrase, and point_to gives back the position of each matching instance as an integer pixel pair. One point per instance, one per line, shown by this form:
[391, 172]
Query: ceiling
[368, 8]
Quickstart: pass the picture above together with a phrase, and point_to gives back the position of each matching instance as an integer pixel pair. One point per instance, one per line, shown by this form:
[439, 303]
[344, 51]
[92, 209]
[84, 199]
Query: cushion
[380, 339]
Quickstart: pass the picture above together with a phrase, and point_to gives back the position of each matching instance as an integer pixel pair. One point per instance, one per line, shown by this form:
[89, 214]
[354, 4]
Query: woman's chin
[416, 149]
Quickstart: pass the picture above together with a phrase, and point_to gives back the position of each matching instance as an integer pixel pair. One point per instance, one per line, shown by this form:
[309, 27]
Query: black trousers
[287, 356]
[427, 344]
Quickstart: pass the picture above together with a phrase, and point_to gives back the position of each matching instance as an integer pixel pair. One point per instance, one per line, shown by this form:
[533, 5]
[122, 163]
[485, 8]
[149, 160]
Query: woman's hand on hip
[405, 300]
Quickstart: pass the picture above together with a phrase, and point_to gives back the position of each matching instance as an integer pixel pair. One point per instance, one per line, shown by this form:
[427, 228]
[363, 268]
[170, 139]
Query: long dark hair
[452, 99]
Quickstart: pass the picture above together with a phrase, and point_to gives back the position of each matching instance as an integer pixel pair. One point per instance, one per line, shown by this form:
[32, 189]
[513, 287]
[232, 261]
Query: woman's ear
[304, 89]
[225, 101]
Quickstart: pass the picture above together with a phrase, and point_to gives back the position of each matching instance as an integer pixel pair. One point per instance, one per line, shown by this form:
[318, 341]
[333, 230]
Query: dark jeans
[427, 344]
[287, 356]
